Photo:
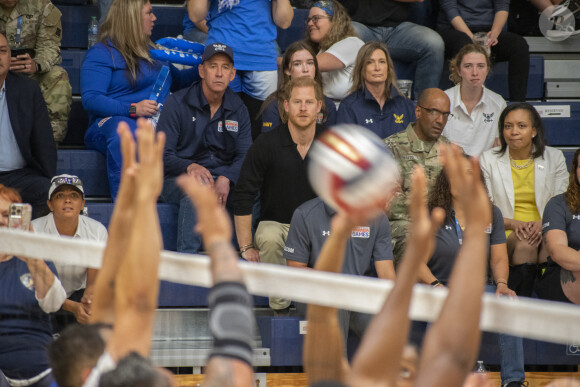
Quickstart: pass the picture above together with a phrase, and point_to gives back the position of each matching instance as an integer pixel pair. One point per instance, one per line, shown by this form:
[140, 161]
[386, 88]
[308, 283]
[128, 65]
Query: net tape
[531, 318]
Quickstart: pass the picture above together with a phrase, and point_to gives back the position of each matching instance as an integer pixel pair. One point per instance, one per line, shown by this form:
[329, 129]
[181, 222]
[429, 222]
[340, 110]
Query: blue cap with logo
[217, 48]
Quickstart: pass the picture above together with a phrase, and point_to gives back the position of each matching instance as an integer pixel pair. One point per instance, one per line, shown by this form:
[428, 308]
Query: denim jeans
[512, 354]
[410, 42]
[104, 139]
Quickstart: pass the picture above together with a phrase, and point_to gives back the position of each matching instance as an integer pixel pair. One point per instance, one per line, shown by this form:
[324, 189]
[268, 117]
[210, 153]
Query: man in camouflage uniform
[416, 145]
[35, 25]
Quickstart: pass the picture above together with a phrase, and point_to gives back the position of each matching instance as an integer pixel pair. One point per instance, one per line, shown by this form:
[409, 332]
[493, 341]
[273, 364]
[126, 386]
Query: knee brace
[231, 321]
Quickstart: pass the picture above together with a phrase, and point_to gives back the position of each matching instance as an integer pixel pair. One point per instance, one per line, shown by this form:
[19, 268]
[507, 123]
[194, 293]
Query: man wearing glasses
[416, 145]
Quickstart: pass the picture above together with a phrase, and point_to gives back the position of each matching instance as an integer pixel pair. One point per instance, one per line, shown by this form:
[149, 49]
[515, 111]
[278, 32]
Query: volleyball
[351, 169]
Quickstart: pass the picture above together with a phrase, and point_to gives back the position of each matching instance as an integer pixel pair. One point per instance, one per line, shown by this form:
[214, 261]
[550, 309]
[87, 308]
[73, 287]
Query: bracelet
[245, 248]
[501, 282]
[436, 283]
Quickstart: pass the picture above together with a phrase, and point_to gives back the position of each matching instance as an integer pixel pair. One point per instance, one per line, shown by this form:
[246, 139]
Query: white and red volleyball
[351, 169]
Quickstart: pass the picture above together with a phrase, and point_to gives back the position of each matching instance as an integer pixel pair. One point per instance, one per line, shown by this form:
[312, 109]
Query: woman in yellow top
[522, 175]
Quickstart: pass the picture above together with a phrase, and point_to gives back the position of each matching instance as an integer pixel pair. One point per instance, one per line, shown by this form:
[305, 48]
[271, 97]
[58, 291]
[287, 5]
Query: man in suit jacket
[27, 147]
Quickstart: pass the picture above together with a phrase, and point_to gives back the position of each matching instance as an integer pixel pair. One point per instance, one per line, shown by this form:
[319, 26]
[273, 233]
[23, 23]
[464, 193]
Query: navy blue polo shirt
[557, 216]
[310, 227]
[218, 143]
[362, 108]
[271, 115]
[447, 245]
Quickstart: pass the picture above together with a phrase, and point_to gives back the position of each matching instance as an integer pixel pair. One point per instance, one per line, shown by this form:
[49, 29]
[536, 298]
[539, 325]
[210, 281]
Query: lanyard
[18, 31]
[459, 231]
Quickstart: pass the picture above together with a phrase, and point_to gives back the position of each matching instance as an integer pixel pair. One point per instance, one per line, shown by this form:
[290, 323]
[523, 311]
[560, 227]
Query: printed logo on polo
[369, 120]
[192, 119]
[319, 118]
[398, 118]
[325, 233]
[288, 249]
[219, 47]
[267, 124]
[488, 117]
[220, 128]
[27, 281]
[448, 227]
[361, 232]
[547, 224]
[488, 229]
[576, 217]
[232, 126]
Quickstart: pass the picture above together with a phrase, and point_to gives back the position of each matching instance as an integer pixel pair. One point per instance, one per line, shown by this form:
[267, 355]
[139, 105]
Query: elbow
[284, 23]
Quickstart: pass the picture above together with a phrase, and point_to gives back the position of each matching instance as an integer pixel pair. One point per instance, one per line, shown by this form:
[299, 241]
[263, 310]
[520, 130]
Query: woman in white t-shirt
[330, 33]
[475, 108]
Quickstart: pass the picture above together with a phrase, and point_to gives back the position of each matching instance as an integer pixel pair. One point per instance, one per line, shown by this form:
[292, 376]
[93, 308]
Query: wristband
[436, 283]
[501, 282]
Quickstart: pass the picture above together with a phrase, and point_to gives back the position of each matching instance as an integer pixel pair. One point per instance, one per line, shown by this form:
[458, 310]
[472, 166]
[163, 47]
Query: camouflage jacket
[409, 150]
[41, 30]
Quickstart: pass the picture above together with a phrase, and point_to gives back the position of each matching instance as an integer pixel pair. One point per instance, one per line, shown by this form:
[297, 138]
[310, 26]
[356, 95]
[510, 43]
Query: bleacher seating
[181, 337]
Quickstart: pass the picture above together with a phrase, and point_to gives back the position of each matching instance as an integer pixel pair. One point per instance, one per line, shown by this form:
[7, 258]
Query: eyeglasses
[315, 19]
[66, 180]
[434, 113]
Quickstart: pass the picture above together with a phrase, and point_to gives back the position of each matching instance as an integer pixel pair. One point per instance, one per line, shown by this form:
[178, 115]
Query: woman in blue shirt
[118, 77]
[374, 101]
[298, 61]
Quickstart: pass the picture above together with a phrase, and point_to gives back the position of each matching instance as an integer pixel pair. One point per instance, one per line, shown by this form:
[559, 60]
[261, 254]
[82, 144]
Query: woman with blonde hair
[475, 108]
[329, 32]
[118, 77]
[375, 101]
[298, 61]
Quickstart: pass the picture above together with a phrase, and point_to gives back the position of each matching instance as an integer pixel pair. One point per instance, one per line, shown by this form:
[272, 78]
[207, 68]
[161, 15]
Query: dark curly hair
[539, 141]
[572, 193]
[440, 194]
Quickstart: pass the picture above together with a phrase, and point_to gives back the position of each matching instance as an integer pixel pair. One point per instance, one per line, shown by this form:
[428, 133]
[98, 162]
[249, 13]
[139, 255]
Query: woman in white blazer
[521, 176]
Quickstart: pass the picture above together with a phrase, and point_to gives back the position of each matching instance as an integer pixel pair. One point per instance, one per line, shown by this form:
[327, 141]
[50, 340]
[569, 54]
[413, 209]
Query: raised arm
[282, 13]
[103, 308]
[231, 316]
[450, 346]
[137, 278]
[323, 346]
[379, 356]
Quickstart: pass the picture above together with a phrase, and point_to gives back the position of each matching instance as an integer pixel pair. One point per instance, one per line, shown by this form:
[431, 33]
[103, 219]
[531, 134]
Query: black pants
[510, 47]
[32, 186]
[549, 285]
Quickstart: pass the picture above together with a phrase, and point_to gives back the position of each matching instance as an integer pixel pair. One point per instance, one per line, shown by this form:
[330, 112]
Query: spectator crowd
[240, 126]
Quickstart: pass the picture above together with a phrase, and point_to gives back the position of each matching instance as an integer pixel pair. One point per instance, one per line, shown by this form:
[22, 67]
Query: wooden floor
[536, 379]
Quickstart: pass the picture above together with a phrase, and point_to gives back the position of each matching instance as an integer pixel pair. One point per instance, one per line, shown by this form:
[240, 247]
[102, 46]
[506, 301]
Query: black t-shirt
[447, 245]
[384, 13]
[557, 216]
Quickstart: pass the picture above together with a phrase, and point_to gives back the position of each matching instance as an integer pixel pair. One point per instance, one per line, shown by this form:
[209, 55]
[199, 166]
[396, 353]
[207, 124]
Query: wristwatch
[133, 110]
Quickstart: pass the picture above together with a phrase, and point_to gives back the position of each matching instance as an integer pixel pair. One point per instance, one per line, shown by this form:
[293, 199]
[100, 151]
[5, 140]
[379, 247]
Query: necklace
[524, 166]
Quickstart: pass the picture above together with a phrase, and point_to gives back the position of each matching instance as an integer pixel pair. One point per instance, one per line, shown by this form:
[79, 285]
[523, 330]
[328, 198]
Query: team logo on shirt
[319, 118]
[220, 127]
[488, 117]
[361, 232]
[576, 217]
[232, 126]
[488, 229]
[288, 249]
[547, 224]
[325, 233]
[398, 118]
[27, 281]
[192, 119]
[368, 120]
[267, 124]
[448, 227]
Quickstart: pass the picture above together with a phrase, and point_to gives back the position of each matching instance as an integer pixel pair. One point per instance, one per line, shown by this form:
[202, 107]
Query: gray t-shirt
[310, 226]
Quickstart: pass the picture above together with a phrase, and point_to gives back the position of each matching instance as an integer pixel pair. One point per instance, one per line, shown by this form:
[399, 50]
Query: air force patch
[361, 232]
[398, 118]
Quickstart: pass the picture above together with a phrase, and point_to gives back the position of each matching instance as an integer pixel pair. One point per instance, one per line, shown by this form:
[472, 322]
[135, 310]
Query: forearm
[566, 257]
[224, 262]
[243, 224]
[499, 21]
[197, 10]
[499, 263]
[41, 275]
[282, 13]
[459, 24]
[425, 275]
